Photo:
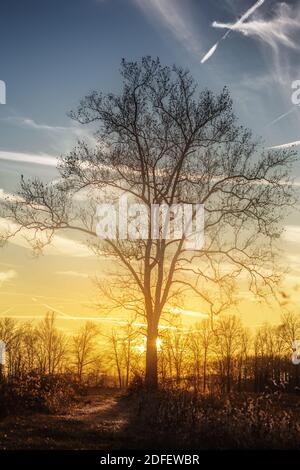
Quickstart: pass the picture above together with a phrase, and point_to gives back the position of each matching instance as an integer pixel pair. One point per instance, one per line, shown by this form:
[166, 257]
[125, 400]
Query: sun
[142, 347]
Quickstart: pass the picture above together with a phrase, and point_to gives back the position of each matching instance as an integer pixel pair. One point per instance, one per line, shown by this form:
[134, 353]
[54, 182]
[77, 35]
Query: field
[93, 422]
[106, 419]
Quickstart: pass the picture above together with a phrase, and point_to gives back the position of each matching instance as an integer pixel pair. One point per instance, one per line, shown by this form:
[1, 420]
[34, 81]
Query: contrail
[191, 313]
[249, 12]
[94, 319]
[246, 15]
[286, 146]
[6, 311]
[210, 53]
[65, 315]
[280, 117]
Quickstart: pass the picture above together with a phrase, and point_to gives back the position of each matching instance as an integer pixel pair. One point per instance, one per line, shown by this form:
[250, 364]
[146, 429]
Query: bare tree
[200, 342]
[122, 342]
[289, 329]
[84, 348]
[52, 346]
[163, 142]
[242, 360]
[175, 342]
[130, 335]
[29, 346]
[228, 333]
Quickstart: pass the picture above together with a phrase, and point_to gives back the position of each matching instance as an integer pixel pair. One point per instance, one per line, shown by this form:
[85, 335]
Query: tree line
[218, 354]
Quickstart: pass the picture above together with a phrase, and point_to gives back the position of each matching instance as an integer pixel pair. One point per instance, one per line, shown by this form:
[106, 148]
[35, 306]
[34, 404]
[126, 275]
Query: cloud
[69, 247]
[190, 313]
[274, 32]
[173, 17]
[230, 28]
[73, 274]
[280, 30]
[59, 246]
[30, 123]
[4, 196]
[6, 276]
[292, 233]
[286, 146]
[37, 159]
[62, 136]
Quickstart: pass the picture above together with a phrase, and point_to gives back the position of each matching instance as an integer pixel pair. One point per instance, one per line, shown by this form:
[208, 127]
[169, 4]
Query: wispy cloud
[73, 274]
[277, 31]
[37, 159]
[292, 233]
[30, 123]
[235, 26]
[287, 145]
[60, 245]
[174, 18]
[63, 136]
[6, 276]
[4, 196]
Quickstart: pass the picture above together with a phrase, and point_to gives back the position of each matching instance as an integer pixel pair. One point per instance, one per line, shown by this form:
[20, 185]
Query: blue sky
[53, 52]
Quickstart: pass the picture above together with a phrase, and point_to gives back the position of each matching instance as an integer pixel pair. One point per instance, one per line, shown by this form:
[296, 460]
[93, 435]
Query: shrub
[34, 392]
[136, 385]
[182, 419]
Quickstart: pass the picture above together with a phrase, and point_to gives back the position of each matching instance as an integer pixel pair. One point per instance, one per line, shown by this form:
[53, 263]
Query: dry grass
[180, 419]
[168, 419]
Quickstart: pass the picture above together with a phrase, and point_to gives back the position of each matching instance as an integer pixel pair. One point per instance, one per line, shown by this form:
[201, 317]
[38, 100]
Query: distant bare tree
[175, 344]
[162, 142]
[52, 346]
[29, 346]
[201, 342]
[289, 329]
[244, 353]
[84, 348]
[121, 341]
[228, 333]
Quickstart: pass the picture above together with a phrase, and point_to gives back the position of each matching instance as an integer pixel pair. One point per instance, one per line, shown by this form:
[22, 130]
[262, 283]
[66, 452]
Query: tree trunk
[204, 371]
[128, 363]
[151, 358]
[228, 378]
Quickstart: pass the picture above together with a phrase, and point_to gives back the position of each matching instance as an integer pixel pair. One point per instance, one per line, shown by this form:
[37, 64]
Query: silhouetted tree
[162, 142]
[52, 346]
[84, 348]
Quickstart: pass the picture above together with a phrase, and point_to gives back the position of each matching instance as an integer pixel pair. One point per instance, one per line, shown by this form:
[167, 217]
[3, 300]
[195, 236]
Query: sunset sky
[53, 53]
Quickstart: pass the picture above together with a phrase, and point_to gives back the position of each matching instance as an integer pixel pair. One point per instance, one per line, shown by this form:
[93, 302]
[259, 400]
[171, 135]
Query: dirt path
[98, 422]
